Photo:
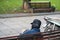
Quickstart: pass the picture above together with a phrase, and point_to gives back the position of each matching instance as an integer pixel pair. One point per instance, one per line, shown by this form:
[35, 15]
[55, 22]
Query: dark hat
[36, 21]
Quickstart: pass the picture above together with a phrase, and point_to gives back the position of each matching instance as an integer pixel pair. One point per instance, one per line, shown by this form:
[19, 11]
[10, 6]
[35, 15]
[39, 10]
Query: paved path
[15, 26]
[27, 14]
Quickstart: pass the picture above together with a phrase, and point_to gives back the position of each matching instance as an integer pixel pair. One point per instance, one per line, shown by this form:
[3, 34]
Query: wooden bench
[54, 35]
[42, 36]
[41, 6]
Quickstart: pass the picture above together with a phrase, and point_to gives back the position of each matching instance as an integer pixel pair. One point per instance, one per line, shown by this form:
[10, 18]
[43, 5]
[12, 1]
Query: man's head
[36, 23]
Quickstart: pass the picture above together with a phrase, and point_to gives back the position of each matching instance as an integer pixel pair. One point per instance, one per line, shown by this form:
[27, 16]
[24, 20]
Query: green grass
[7, 6]
[10, 6]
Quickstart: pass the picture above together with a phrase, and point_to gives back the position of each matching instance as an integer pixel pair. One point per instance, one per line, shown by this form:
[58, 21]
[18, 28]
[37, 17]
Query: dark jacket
[32, 31]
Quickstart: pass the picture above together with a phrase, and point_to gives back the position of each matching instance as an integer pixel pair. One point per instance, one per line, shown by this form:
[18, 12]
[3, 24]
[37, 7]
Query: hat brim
[32, 23]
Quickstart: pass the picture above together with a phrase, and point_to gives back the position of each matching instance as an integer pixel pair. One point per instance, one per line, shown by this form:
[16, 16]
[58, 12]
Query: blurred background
[15, 6]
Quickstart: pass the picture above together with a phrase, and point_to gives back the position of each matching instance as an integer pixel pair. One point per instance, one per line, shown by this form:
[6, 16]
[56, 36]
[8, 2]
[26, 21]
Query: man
[35, 27]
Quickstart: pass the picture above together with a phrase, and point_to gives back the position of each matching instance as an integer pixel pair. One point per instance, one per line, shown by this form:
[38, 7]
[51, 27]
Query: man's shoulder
[27, 30]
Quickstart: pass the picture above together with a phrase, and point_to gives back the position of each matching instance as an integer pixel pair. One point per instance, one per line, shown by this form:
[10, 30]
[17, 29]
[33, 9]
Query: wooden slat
[46, 35]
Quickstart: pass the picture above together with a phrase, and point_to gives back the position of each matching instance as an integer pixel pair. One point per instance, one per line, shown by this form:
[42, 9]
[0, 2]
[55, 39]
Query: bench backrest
[38, 36]
[40, 4]
[43, 35]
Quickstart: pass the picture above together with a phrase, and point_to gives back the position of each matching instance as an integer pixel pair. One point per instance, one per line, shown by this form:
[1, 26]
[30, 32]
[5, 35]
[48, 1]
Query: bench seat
[42, 10]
